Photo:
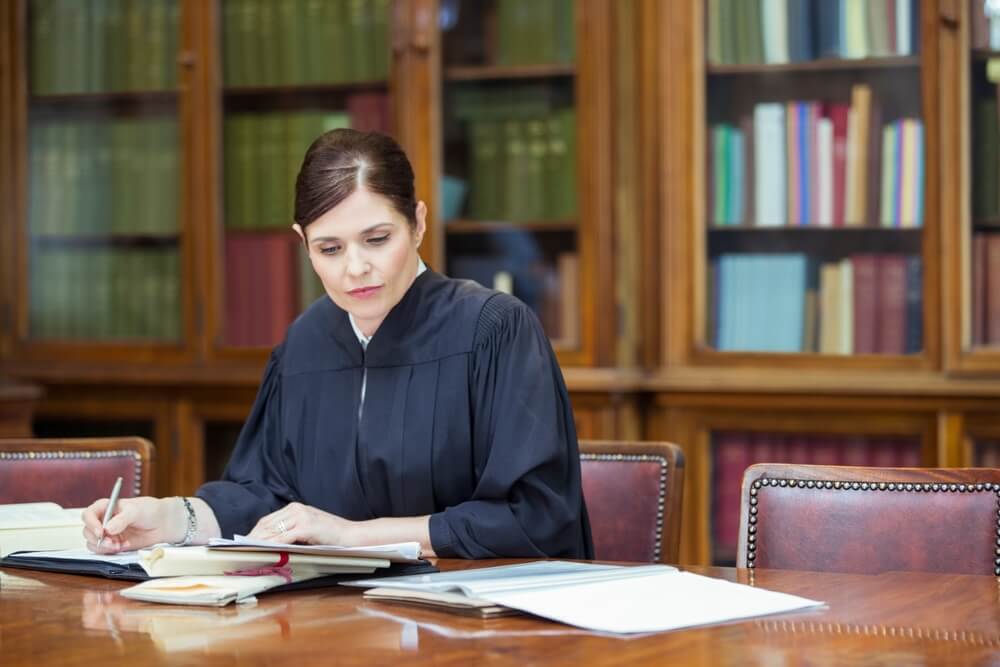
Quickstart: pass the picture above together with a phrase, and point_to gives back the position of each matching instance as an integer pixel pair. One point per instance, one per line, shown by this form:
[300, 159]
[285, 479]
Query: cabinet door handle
[949, 15]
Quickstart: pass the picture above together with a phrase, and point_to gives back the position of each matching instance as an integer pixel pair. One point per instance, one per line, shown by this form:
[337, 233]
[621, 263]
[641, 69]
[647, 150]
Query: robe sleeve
[259, 477]
[527, 500]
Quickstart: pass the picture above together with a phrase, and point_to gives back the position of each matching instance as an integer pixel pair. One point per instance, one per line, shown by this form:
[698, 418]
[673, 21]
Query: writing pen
[112, 503]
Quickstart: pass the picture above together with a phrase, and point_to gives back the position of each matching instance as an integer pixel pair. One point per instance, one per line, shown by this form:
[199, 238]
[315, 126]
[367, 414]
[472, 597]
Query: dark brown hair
[339, 161]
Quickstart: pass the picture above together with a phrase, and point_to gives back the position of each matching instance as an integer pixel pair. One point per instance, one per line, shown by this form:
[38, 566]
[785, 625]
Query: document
[403, 552]
[36, 526]
[213, 591]
[167, 561]
[621, 600]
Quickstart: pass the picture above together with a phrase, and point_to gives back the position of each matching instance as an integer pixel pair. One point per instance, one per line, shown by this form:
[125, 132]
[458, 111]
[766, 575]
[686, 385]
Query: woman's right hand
[137, 523]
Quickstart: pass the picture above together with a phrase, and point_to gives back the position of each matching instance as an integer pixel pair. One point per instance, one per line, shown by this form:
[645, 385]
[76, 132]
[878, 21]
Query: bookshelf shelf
[489, 227]
[309, 89]
[499, 72]
[814, 66]
[987, 224]
[106, 240]
[807, 229]
[117, 101]
[979, 55]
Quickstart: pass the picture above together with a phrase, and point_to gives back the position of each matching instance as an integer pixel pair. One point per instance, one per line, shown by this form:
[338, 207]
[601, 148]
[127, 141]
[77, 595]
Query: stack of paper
[34, 526]
[209, 591]
[648, 598]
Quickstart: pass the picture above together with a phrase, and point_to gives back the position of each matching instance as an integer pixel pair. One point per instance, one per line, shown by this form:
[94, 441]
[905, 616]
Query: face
[365, 254]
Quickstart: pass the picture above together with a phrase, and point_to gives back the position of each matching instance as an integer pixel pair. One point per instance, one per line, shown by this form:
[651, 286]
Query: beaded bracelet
[192, 523]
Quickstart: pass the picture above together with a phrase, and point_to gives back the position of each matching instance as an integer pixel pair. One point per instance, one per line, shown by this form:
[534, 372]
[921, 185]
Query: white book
[850, 170]
[770, 169]
[824, 167]
[887, 191]
[846, 336]
[38, 526]
[401, 552]
[904, 21]
[167, 561]
[647, 598]
[774, 20]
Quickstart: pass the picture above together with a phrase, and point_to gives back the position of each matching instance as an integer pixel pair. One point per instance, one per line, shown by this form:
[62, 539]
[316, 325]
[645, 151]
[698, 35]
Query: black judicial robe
[466, 418]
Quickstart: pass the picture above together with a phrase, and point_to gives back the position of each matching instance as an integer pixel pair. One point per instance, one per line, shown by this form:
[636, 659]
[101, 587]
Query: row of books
[985, 146]
[815, 164]
[103, 176]
[534, 32]
[268, 282]
[263, 154]
[734, 451]
[294, 42]
[551, 289]
[986, 289]
[105, 293]
[748, 32]
[523, 169]
[862, 304]
[102, 45]
[985, 29]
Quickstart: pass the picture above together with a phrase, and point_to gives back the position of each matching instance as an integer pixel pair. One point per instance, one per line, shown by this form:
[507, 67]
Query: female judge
[407, 406]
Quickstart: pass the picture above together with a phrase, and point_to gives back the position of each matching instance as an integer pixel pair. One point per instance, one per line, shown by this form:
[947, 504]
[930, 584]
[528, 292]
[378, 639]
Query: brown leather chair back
[73, 473]
[633, 494]
[870, 520]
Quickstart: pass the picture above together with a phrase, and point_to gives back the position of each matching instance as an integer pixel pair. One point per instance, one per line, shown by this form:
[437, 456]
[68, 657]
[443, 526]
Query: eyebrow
[367, 230]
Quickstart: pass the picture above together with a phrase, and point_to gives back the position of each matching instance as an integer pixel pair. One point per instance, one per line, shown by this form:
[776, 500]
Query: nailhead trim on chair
[110, 454]
[661, 496]
[933, 487]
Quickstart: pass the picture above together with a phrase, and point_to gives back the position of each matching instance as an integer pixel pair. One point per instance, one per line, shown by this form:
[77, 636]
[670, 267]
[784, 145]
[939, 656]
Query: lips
[364, 292]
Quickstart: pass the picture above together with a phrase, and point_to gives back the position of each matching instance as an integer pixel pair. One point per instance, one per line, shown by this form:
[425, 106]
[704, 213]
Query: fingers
[94, 514]
[123, 517]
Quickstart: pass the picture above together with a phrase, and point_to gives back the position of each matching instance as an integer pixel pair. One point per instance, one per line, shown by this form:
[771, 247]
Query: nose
[357, 263]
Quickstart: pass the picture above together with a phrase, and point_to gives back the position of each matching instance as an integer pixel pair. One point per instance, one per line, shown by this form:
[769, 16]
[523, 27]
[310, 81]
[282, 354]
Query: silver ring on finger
[282, 528]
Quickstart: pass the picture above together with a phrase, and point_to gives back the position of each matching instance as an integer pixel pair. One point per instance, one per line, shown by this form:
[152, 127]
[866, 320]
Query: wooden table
[890, 619]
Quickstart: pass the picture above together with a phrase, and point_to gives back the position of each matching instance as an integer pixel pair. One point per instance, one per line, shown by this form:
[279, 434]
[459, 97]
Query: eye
[329, 250]
[379, 240]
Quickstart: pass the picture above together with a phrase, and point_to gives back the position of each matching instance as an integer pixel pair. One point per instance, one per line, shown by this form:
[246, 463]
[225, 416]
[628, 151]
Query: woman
[406, 407]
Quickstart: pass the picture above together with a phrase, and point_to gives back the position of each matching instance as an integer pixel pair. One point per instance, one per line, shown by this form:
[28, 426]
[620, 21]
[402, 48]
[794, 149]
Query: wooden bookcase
[648, 92]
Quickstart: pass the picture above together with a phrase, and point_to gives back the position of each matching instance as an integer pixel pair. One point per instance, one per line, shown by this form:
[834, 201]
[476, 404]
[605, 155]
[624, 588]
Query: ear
[421, 215]
[302, 234]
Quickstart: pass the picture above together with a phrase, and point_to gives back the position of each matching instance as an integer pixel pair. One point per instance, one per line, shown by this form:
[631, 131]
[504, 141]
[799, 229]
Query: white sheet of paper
[653, 603]
[38, 515]
[400, 552]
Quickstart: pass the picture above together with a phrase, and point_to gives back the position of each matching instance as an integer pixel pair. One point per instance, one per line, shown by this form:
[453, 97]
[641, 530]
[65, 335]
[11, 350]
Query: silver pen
[109, 512]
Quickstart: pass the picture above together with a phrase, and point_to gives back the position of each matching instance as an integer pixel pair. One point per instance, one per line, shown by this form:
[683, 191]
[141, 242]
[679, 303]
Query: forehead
[360, 211]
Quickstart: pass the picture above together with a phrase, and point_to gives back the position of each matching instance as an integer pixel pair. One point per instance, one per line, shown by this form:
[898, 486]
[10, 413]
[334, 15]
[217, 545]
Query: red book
[855, 451]
[979, 313]
[838, 116]
[892, 304]
[866, 303]
[728, 459]
[798, 448]
[992, 289]
[910, 453]
[825, 451]
[883, 452]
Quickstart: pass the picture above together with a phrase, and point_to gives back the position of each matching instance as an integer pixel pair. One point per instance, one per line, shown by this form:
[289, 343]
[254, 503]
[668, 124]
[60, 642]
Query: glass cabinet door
[292, 69]
[103, 159]
[509, 189]
[814, 152]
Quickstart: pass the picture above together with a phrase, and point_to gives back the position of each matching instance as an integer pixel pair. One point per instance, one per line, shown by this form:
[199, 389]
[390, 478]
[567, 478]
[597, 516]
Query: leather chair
[73, 472]
[633, 492]
[870, 520]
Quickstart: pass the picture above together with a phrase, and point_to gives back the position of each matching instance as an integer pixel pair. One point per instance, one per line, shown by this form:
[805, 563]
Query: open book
[37, 526]
[214, 591]
[606, 598]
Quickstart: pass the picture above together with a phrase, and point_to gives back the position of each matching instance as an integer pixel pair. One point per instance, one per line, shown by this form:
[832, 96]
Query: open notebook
[36, 526]
[606, 598]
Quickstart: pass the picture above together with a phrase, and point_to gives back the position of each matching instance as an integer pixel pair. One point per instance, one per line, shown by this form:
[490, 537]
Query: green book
[288, 54]
[310, 286]
[986, 156]
[380, 56]
[42, 47]
[533, 178]
[173, 12]
[560, 172]
[515, 205]
[565, 32]
[268, 66]
[114, 38]
[316, 48]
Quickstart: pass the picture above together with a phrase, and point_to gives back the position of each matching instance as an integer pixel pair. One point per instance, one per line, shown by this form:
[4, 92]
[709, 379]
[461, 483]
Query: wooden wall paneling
[15, 128]
[607, 416]
[627, 265]
[415, 88]
[7, 188]
[654, 261]
[952, 449]
[954, 174]
[200, 81]
[680, 108]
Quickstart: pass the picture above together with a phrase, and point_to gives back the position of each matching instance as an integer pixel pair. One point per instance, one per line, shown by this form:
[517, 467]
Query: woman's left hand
[304, 524]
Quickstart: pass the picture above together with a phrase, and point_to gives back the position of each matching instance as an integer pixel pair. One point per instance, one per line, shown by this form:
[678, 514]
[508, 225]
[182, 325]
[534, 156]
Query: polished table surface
[888, 619]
